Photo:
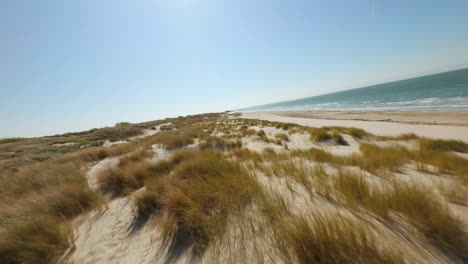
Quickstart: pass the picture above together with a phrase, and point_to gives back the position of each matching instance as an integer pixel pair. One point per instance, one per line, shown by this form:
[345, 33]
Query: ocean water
[442, 91]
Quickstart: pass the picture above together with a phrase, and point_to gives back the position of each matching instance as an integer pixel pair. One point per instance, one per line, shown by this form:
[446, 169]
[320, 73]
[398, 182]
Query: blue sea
[442, 91]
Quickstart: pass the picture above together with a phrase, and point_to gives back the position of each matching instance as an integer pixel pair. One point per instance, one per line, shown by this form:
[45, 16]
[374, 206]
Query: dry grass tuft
[247, 132]
[34, 205]
[176, 139]
[352, 131]
[332, 239]
[282, 137]
[10, 140]
[261, 133]
[34, 240]
[243, 154]
[408, 136]
[197, 200]
[123, 180]
[217, 143]
[443, 145]
[134, 157]
[326, 134]
[323, 237]
[338, 138]
[319, 134]
[356, 191]
[445, 162]
[381, 158]
[431, 217]
[146, 204]
[418, 204]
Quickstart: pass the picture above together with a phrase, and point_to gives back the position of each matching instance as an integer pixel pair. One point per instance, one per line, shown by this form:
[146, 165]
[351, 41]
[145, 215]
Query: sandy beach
[431, 124]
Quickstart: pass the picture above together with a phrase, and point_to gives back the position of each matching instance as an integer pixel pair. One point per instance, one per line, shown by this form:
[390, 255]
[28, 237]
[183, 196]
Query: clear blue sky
[75, 65]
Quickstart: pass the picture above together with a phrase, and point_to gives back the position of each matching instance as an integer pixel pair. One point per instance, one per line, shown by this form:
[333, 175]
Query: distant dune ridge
[232, 188]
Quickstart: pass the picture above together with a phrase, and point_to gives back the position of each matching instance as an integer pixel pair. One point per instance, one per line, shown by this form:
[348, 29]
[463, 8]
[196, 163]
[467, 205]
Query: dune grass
[197, 199]
[444, 161]
[247, 132]
[134, 156]
[207, 190]
[356, 192]
[381, 158]
[116, 133]
[177, 138]
[319, 134]
[34, 209]
[338, 138]
[134, 170]
[37, 202]
[443, 145]
[416, 202]
[330, 239]
[195, 194]
[218, 143]
[433, 218]
[324, 134]
[282, 137]
[322, 237]
[352, 131]
[146, 204]
[407, 136]
[10, 140]
[44, 188]
[261, 133]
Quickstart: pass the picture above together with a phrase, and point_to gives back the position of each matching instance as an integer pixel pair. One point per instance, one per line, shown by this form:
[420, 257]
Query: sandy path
[375, 127]
[107, 237]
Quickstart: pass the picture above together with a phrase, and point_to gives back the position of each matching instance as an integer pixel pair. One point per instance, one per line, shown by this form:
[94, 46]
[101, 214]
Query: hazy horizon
[75, 66]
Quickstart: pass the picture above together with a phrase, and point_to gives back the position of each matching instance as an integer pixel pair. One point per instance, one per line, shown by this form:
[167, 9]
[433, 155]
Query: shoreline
[436, 124]
[419, 117]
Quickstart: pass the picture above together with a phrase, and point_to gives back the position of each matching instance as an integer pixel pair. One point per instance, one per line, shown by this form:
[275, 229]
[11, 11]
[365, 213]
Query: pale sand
[452, 118]
[384, 128]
